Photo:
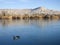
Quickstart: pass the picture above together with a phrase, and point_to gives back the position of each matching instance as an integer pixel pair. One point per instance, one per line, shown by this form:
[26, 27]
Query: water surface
[29, 32]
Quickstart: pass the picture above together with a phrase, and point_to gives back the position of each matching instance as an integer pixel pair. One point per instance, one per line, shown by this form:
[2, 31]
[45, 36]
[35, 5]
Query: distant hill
[43, 10]
[38, 10]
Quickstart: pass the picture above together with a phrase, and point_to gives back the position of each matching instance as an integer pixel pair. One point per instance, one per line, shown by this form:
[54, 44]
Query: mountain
[38, 10]
[43, 10]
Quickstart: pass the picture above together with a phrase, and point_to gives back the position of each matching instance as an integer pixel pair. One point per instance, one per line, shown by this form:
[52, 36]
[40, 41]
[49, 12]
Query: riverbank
[30, 17]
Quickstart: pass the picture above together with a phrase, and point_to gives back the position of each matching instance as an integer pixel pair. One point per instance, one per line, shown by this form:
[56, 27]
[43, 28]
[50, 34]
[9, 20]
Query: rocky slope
[43, 10]
[39, 10]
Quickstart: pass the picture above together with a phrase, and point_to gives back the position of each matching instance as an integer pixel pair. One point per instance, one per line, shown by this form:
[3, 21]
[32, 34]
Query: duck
[16, 37]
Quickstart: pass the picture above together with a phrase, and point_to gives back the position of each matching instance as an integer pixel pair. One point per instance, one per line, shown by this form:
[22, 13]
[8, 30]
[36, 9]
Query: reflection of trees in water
[40, 23]
[26, 21]
[4, 22]
[16, 37]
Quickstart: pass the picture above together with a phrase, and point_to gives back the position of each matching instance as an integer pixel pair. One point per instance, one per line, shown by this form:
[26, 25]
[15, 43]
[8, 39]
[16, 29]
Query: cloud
[13, 1]
[24, 0]
[7, 1]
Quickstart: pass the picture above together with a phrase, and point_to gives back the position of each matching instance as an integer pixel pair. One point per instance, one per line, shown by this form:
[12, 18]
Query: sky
[28, 4]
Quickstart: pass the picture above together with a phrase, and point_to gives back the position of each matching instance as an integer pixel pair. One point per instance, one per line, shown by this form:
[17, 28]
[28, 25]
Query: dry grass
[30, 17]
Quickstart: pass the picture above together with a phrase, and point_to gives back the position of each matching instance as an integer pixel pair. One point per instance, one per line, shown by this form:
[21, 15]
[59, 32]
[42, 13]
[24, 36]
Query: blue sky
[23, 4]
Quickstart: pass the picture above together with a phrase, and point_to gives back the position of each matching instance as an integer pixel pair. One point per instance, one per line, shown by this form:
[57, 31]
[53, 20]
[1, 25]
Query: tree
[3, 12]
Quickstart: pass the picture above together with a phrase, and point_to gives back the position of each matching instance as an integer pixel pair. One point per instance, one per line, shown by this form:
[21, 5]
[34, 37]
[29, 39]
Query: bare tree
[3, 12]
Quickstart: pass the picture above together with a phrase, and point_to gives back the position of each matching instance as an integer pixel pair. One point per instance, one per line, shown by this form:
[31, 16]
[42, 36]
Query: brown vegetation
[26, 16]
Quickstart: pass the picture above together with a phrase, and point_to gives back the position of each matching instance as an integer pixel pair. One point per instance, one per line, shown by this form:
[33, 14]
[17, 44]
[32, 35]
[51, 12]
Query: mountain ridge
[38, 10]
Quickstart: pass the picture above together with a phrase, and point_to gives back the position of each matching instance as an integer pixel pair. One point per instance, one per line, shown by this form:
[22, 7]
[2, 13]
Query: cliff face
[39, 10]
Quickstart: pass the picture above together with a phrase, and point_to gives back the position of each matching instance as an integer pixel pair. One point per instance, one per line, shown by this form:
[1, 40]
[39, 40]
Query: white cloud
[12, 1]
[24, 0]
[7, 1]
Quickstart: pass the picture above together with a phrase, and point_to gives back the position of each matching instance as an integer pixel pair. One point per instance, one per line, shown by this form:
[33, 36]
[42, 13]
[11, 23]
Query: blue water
[30, 32]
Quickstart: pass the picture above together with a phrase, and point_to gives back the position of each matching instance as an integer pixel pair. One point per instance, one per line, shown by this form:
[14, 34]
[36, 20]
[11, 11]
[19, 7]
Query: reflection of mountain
[24, 23]
[38, 10]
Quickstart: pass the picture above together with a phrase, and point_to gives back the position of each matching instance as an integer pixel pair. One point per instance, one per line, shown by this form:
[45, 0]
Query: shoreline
[30, 17]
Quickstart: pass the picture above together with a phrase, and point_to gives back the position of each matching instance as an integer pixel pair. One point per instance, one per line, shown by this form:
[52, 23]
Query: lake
[29, 32]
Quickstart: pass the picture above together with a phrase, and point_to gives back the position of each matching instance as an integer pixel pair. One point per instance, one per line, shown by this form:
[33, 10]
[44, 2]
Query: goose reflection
[16, 37]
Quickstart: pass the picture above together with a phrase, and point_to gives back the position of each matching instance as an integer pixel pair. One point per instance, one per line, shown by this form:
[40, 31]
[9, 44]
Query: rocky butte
[36, 13]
